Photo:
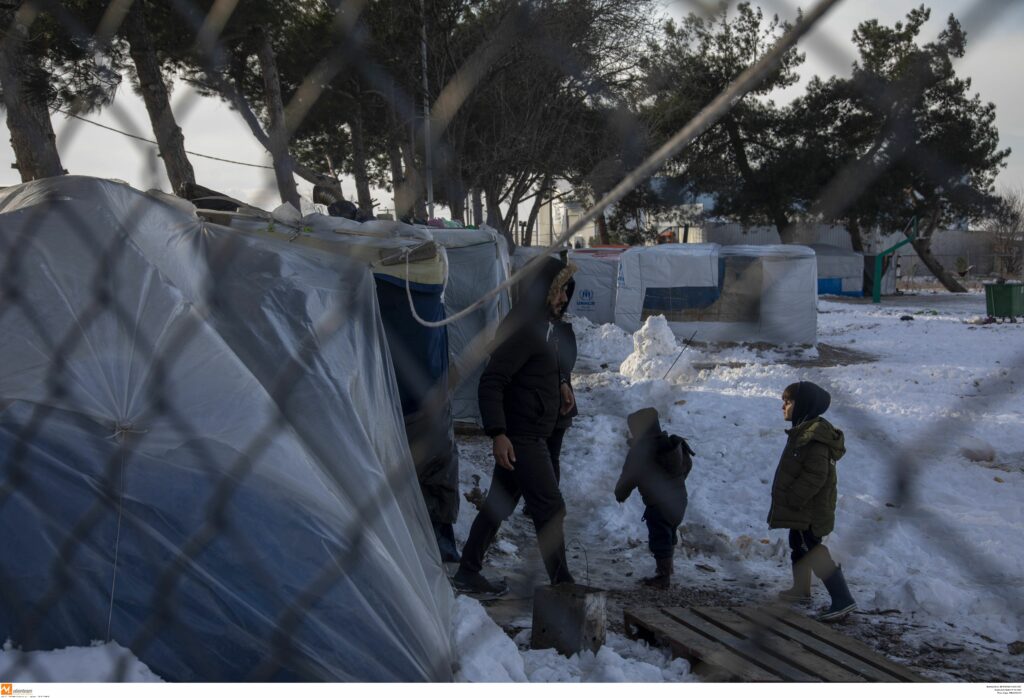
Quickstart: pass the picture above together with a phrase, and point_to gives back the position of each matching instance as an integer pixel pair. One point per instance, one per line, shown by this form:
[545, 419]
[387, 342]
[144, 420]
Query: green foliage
[904, 122]
[65, 67]
[745, 158]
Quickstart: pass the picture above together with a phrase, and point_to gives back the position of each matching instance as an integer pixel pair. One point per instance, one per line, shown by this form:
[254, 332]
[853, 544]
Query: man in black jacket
[521, 397]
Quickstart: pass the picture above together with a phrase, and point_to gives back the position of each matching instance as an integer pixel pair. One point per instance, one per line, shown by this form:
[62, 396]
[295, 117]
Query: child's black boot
[663, 574]
[842, 600]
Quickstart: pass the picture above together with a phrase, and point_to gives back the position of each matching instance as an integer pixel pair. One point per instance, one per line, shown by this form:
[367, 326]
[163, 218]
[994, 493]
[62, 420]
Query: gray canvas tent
[198, 423]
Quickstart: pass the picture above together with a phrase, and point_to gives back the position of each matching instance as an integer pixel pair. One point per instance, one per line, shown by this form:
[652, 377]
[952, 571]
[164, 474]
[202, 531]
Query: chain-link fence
[203, 446]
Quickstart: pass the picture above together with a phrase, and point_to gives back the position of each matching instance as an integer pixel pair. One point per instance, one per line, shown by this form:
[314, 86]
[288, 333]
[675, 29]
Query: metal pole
[428, 164]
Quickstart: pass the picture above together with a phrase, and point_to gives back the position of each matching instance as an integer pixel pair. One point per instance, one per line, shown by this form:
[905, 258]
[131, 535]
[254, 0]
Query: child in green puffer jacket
[804, 496]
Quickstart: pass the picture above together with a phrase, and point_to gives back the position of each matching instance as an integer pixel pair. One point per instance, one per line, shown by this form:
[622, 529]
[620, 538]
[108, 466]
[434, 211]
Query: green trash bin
[1005, 299]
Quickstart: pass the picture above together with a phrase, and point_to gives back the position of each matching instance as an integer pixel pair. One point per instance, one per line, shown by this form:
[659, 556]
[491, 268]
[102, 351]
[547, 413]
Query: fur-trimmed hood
[538, 290]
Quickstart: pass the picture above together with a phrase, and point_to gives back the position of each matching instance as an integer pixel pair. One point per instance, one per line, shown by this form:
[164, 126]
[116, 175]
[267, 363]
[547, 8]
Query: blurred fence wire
[104, 310]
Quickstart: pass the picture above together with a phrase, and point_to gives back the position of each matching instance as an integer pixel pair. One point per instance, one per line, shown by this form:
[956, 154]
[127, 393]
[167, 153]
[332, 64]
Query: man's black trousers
[534, 480]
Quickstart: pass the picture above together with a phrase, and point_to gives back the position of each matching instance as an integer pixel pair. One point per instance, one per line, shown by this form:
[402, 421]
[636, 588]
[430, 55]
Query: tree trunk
[602, 229]
[478, 206]
[359, 171]
[277, 128]
[414, 181]
[494, 218]
[158, 104]
[922, 244]
[403, 202]
[457, 201]
[787, 232]
[28, 118]
[535, 210]
[856, 239]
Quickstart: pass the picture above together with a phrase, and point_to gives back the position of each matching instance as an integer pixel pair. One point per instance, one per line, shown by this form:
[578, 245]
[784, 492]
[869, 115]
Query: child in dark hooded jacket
[657, 464]
[804, 496]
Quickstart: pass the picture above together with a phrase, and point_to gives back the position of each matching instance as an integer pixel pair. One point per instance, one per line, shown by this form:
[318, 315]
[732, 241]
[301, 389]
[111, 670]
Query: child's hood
[821, 430]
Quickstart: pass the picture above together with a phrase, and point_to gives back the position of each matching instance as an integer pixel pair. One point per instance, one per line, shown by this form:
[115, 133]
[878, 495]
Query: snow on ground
[486, 654]
[99, 663]
[919, 527]
[929, 533]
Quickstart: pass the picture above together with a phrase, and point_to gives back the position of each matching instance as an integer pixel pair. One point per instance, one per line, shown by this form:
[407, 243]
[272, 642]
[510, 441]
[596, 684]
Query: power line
[147, 140]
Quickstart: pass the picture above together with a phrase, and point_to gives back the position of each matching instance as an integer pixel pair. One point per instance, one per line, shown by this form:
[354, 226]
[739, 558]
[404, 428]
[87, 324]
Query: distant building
[558, 216]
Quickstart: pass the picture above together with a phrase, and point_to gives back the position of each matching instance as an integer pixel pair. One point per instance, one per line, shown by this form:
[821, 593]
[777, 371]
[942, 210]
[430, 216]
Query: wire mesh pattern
[349, 57]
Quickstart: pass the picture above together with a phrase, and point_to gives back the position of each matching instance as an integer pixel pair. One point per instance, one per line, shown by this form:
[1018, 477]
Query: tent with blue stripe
[735, 293]
[840, 271]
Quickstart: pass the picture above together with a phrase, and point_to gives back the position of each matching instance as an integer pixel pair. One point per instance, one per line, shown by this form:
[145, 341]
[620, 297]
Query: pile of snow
[99, 663]
[654, 352]
[604, 343]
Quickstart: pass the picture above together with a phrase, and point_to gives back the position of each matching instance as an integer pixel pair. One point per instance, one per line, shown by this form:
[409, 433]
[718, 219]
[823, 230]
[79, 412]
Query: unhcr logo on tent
[585, 298]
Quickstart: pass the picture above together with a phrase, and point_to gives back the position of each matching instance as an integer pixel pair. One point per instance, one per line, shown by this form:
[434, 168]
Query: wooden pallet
[761, 644]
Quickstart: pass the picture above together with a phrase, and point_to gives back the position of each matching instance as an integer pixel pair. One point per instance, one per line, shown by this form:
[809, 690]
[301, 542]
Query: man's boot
[842, 600]
[663, 574]
[475, 583]
[800, 592]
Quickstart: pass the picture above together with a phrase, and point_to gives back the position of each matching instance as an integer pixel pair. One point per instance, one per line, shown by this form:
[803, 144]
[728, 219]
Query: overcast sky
[995, 50]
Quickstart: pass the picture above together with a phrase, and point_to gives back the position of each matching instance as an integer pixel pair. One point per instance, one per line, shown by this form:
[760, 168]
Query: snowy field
[930, 539]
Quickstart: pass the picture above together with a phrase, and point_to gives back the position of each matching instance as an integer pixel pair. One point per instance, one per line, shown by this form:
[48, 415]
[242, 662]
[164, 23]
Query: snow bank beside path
[97, 664]
[487, 654]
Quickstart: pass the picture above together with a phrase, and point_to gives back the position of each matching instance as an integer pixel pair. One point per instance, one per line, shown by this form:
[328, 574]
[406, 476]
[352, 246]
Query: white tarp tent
[840, 271]
[596, 276]
[478, 262]
[654, 280]
[206, 423]
[738, 293]
[522, 255]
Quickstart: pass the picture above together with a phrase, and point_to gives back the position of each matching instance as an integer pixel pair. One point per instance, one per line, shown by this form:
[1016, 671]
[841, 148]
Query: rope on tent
[148, 140]
[705, 119]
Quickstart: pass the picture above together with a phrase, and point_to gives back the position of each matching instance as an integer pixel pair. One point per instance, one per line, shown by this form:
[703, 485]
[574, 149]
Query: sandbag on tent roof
[596, 275]
[200, 423]
[840, 272]
[738, 293]
[478, 262]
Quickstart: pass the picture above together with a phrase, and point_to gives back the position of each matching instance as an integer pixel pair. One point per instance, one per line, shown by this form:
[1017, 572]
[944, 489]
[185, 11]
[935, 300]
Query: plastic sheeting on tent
[739, 293]
[478, 262]
[596, 276]
[398, 253]
[199, 422]
[840, 272]
[419, 353]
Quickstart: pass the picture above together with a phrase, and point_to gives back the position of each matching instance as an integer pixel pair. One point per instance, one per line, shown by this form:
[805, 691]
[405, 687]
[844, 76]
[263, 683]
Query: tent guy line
[147, 140]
